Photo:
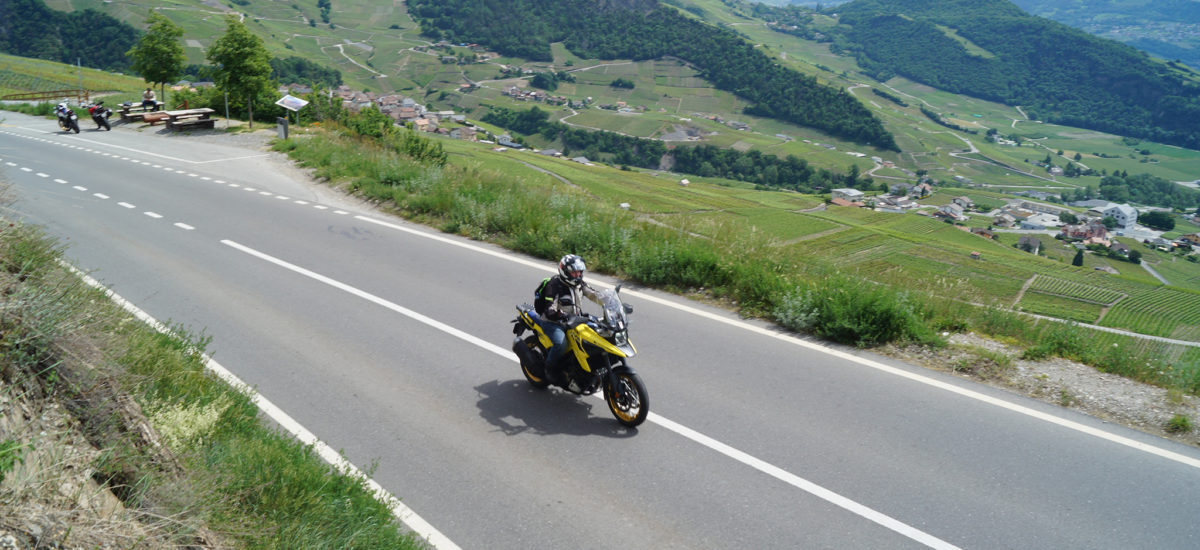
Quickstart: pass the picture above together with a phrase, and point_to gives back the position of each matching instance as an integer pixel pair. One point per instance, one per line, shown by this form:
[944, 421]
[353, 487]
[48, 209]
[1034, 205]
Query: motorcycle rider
[557, 301]
[61, 109]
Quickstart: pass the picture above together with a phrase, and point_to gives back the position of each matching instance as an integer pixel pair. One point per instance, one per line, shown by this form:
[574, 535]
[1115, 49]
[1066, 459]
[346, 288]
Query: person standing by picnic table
[148, 99]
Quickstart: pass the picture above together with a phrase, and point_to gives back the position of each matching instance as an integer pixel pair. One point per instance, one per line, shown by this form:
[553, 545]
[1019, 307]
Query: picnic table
[136, 111]
[190, 118]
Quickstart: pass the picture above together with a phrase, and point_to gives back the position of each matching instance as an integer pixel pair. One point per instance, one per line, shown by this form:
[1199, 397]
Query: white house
[1125, 215]
[852, 195]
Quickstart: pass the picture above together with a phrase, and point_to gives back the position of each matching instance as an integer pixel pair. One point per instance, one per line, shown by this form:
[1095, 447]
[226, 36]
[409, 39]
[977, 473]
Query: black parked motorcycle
[66, 118]
[100, 115]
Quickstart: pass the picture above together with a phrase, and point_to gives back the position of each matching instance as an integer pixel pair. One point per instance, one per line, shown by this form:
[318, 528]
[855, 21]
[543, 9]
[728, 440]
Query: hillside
[1168, 29]
[30, 29]
[641, 30]
[995, 51]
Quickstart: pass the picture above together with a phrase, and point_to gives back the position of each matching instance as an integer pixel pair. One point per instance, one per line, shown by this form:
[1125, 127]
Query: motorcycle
[100, 115]
[595, 359]
[67, 119]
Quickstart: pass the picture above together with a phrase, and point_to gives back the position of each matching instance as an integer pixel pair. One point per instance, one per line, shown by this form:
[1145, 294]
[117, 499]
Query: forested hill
[642, 29]
[1058, 74]
[30, 29]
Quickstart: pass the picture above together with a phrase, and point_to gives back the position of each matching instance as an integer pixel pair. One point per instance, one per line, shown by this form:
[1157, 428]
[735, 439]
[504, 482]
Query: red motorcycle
[100, 115]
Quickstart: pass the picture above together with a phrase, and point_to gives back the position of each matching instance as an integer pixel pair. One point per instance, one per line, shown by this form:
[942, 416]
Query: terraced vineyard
[1165, 311]
[1054, 305]
[1075, 291]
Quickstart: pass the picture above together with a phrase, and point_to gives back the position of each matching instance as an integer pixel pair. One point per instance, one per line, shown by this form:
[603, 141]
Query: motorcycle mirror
[628, 309]
[618, 289]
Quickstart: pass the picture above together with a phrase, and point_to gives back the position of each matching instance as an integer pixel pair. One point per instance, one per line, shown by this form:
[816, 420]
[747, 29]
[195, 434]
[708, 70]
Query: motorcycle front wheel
[628, 401]
[107, 126]
[74, 126]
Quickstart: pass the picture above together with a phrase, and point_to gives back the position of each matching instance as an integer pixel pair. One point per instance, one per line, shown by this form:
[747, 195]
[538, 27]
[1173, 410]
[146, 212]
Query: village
[1098, 225]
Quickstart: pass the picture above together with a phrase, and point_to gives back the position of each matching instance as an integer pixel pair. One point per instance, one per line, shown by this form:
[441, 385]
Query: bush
[852, 311]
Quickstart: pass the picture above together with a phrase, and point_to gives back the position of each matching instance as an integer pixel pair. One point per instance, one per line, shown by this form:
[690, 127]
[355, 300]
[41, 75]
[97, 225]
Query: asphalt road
[389, 342]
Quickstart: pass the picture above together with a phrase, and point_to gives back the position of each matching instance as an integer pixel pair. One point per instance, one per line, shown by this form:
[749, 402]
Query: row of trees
[640, 30]
[753, 166]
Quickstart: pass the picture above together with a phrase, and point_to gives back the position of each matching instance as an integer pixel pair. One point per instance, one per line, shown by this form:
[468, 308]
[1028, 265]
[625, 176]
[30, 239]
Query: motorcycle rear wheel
[629, 403]
[537, 380]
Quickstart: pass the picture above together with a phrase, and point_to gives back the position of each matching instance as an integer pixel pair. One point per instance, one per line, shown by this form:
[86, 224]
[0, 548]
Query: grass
[225, 478]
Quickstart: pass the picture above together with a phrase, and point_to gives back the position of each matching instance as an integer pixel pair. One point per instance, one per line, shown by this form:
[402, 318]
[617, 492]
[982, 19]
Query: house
[1004, 219]
[465, 133]
[550, 152]
[1192, 239]
[964, 202]
[900, 189]
[582, 160]
[983, 232]
[1084, 231]
[506, 140]
[1120, 248]
[852, 195]
[1125, 215]
[952, 211]
[838, 201]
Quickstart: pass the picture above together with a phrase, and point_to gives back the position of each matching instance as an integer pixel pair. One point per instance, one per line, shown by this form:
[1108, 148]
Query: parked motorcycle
[100, 115]
[595, 357]
[66, 118]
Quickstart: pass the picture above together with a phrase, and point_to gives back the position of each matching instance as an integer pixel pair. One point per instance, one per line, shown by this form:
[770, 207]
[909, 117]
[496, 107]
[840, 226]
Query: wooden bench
[136, 111]
[190, 118]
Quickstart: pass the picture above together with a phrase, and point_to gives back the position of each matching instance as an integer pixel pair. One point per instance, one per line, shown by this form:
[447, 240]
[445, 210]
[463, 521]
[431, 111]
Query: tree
[1068, 218]
[1157, 220]
[158, 55]
[1078, 261]
[1135, 256]
[243, 64]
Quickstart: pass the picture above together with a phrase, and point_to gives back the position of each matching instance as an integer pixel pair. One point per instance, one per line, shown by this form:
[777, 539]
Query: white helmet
[571, 268]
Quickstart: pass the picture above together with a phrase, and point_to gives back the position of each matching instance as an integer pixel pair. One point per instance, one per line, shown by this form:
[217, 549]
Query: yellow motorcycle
[596, 354]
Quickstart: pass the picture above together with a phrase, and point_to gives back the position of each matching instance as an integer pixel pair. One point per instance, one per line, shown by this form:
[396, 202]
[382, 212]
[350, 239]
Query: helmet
[62, 106]
[571, 268]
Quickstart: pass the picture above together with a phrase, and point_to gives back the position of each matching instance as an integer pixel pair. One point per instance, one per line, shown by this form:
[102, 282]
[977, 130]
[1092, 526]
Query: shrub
[852, 311]
[1179, 424]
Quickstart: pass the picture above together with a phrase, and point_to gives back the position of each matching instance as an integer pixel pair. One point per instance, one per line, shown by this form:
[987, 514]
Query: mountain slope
[641, 29]
[1062, 74]
[30, 29]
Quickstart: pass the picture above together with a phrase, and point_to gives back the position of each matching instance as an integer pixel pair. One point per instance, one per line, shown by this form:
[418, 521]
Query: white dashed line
[184, 226]
[60, 181]
[24, 169]
[43, 175]
[302, 202]
[342, 212]
[320, 207]
[79, 188]
[153, 214]
[126, 205]
[100, 195]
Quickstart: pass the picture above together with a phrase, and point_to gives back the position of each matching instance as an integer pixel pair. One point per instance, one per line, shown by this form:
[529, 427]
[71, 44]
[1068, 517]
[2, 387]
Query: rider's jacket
[550, 301]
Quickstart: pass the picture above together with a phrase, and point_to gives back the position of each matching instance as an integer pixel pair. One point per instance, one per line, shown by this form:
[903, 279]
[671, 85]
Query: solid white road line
[760, 465]
[1020, 409]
